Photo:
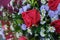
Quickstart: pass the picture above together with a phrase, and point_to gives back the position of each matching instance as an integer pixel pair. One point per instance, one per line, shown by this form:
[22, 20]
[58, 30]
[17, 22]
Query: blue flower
[28, 6]
[23, 27]
[58, 8]
[44, 7]
[52, 13]
[2, 33]
[23, 9]
[20, 11]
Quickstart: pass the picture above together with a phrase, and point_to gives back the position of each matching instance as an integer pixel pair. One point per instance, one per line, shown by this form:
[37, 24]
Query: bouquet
[30, 19]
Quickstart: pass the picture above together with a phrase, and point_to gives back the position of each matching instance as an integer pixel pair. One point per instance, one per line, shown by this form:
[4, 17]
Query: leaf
[19, 21]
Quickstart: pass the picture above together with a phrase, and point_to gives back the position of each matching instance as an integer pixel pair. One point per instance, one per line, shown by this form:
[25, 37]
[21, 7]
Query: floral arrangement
[30, 19]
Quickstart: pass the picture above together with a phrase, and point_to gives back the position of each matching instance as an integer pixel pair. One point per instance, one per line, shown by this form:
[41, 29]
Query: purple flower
[52, 13]
[28, 6]
[23, 27]
[2, 33]
[4, 2]
[58, 8]
[25, 8]
[20, 11]
[44, 7]
[10, 9]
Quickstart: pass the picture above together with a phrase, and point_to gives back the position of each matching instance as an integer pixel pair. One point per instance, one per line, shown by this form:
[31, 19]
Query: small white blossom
[36, 34]
[43, 11]
[17, 35]
[43, 1]
[42, 34]
[47, 38]
[11, 27]
[23, 1]
[13, 15]
[43, 14]
[43, 22]
[20, 34]
[42, 29]
[29, 31]
[11, 2]
[4, 14]
[51, 29]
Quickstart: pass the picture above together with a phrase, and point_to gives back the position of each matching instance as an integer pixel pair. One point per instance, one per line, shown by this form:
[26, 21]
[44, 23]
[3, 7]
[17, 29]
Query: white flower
[11, 27]
[47, 38]
[20, 34]
[43, 22]
[11, 2]
[42, 29]
[13, 15]
[51, 29]
[43, 1]
[23, 1]
[42, 34]
[29, 31]
[43, 11]
[4, 14]
[36, 34]
[17, 35]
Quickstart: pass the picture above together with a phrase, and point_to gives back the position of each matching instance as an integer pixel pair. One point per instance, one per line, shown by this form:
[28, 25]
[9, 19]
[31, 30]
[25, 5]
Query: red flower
[53, 4]
[31, 17]
[56, 24]
[22, 38]
[4, 2]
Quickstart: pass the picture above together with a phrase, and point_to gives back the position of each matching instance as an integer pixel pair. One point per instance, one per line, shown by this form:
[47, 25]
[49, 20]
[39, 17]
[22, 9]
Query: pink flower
[4, 2]
[22, 38]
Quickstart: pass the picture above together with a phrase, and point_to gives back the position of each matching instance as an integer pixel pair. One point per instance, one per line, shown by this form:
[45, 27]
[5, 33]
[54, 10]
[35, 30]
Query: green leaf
[19, 21]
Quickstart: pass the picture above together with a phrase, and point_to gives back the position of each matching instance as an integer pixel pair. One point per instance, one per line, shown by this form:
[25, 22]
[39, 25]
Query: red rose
[56, 24]
[22, 38]
[31, 17]
[53, 4]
